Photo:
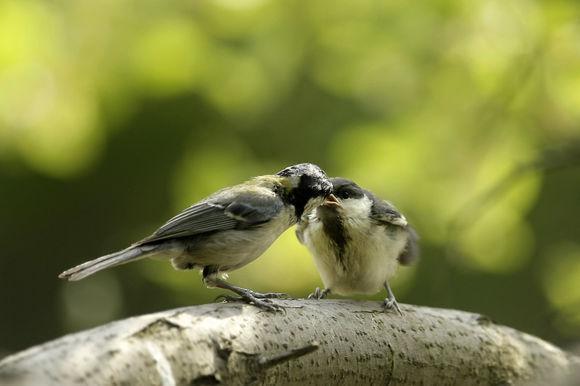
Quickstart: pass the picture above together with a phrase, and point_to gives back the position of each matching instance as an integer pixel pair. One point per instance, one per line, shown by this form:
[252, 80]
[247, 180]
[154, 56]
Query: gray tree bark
[311, 343]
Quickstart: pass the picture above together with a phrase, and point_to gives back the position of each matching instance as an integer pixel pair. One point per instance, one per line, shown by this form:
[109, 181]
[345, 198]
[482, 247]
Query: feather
[93, 266]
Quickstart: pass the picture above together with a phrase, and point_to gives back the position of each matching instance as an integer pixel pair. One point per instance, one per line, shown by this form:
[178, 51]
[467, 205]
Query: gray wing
[239, 212]
[384, 212]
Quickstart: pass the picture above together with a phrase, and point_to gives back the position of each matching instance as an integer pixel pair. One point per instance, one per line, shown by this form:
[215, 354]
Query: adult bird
[228, 229]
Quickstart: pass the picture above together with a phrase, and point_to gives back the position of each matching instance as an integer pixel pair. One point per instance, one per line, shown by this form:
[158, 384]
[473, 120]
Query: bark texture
[311, 343]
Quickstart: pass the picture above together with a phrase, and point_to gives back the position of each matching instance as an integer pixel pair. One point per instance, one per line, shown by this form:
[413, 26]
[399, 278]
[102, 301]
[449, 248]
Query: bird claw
[318, 294]
[249, 298]
[391, 304]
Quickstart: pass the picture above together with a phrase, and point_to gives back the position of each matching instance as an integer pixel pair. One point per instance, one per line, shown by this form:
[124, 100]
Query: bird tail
[93, 266]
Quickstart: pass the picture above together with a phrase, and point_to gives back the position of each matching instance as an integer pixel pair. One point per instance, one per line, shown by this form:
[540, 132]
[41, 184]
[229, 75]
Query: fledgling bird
[357, 241]
[228, 229]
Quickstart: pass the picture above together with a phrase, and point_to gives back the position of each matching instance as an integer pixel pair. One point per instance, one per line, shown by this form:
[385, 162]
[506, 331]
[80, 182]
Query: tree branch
[313, 342]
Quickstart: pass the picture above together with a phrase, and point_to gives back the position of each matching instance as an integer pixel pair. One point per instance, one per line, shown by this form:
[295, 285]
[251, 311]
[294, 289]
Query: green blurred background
[116, 114]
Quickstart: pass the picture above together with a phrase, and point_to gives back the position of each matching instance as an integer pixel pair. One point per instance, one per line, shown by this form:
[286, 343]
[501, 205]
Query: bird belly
[232, 249]
[369, 259]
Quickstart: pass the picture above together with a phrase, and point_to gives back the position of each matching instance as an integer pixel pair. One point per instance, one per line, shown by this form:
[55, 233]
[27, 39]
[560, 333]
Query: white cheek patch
[356, 207]
[294, 181]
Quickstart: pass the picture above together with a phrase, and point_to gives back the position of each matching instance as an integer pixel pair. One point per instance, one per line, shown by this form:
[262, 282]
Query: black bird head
[345, 189]
[342, 189]
[308, 186]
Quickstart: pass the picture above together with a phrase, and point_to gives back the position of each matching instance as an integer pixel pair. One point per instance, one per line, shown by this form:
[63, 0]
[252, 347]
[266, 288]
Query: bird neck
[287, 190]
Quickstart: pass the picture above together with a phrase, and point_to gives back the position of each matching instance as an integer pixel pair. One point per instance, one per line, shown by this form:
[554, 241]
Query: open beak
[332, 201]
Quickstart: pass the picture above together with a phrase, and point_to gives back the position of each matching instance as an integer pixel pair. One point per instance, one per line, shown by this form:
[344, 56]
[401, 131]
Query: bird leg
[246, 295]
[391, 302]
[319, 294]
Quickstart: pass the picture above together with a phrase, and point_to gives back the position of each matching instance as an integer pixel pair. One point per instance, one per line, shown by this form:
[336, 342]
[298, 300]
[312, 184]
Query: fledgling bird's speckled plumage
[357, 241]
[228, 229]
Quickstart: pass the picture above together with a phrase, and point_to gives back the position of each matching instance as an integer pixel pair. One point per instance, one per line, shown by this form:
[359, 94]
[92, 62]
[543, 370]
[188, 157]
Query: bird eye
[343, 194]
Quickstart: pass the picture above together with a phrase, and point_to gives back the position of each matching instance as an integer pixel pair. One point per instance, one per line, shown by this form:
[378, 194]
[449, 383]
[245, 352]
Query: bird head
[307, 186]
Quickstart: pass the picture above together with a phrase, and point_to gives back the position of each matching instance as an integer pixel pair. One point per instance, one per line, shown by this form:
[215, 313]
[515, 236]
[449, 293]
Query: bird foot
[249, 298]
[319, 294]
[391, 304]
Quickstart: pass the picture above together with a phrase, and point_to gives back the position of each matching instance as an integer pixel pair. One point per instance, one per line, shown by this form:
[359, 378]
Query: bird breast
[368, 254]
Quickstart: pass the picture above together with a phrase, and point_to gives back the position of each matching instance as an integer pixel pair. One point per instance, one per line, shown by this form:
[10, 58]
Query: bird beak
[332, 201]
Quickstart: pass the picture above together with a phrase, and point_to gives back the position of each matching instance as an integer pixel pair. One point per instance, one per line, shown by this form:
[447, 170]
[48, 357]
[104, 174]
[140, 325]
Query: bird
[357, 242]
[227, 230]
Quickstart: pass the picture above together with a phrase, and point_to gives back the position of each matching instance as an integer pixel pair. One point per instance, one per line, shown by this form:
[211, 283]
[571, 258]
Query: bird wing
[385, 213]
[238, 211]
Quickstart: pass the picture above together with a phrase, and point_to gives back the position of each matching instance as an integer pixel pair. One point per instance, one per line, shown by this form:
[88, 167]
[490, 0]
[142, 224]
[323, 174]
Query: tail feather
[90, 267]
